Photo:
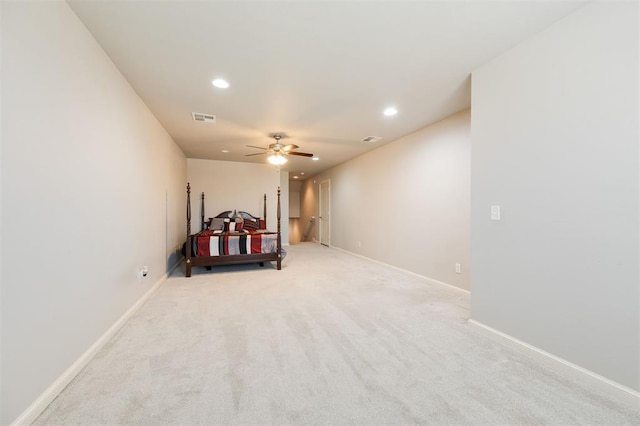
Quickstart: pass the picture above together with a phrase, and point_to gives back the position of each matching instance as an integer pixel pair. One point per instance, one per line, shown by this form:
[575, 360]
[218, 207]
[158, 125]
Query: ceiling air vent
[371, 139]
[205, 118]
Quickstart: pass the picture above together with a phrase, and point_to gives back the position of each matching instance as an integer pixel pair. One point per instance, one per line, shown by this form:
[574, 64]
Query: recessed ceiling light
[390, 111]
[316, 158]
[220, 83]
[302, 173]
[225, 151]
[295, 177]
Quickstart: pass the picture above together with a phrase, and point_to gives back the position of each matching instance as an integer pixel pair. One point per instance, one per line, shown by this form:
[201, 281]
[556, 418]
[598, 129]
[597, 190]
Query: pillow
[239, 223]
[216, 223]
[232, 226]
[250, 225]
[246, 216]
[263, 224]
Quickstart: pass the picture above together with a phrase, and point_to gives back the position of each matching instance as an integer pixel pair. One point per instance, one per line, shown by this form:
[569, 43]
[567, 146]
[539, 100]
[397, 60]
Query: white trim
[43, 401]
[320, 206]
[431, 280]
[589, 379]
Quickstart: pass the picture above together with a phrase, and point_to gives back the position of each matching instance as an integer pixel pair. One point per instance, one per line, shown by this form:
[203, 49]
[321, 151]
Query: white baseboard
[43, 401]
[589, 379]
[431, 280]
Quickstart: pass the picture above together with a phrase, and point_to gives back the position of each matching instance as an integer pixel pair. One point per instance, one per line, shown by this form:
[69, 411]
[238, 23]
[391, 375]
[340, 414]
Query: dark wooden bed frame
[234, 259]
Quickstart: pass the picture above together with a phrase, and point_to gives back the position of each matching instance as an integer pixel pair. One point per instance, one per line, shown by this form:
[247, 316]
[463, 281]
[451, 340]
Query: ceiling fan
[278, 151]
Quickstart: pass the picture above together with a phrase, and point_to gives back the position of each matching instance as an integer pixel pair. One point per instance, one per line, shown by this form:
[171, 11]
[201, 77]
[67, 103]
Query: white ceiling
[321, 72]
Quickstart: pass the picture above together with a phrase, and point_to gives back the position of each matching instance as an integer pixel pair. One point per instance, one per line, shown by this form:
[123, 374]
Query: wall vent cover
[205, 118]
[372, 139]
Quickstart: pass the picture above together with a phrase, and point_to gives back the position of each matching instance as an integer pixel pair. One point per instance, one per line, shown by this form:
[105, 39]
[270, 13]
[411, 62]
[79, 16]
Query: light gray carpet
[330, 339]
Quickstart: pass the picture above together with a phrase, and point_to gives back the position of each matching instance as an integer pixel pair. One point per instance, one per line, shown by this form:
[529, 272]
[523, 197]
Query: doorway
[325, 212]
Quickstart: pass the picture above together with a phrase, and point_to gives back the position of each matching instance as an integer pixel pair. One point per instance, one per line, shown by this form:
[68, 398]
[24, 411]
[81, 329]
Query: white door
[325, 212]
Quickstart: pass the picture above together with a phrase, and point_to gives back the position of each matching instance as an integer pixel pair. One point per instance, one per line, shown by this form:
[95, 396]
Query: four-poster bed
[239, 238]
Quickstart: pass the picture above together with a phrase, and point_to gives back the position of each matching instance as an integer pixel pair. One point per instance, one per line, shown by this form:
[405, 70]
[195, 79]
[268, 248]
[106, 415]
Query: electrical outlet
[458, 269]
[495, 212]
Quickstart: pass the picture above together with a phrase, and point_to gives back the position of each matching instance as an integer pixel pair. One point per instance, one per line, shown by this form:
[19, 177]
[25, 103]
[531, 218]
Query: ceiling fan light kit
[277, 159]
[278, 151]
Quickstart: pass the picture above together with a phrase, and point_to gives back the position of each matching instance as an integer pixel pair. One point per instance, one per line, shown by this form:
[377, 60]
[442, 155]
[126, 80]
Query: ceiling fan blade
[259, 147]
[289, 147]
[258, 153]
[301, 154]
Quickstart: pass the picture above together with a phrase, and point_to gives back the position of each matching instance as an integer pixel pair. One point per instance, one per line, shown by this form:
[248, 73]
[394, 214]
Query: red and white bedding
[222, 244]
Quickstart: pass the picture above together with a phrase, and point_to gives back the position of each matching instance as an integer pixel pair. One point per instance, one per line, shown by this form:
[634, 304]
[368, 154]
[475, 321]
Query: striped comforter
[228, 244]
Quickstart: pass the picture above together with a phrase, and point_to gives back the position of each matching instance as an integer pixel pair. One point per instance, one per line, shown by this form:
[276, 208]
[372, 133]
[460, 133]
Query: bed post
[264, 209]
[279, 262]
[187, 253]
[202, 212]
[188, 209]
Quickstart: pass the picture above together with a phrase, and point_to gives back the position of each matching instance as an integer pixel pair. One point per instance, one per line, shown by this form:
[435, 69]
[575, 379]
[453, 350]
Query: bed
[232, 237]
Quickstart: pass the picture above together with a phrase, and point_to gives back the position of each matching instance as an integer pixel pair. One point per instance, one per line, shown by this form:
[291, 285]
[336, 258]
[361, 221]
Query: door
[325, 212]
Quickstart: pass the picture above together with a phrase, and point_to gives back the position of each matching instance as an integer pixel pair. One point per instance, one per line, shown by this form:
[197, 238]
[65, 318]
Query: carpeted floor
[330, 339]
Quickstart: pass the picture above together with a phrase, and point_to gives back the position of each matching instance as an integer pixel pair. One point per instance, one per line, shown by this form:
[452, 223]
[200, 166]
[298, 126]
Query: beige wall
[555, 144]
[92, 190]
[231, 185]
[295, 231]
[405, 203]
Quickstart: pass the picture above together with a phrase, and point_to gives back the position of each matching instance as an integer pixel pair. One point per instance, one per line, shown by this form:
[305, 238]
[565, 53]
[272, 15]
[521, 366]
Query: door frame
[320, 209]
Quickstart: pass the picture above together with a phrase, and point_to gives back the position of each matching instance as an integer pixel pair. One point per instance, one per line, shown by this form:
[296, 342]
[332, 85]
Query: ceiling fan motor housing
[279, 148]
